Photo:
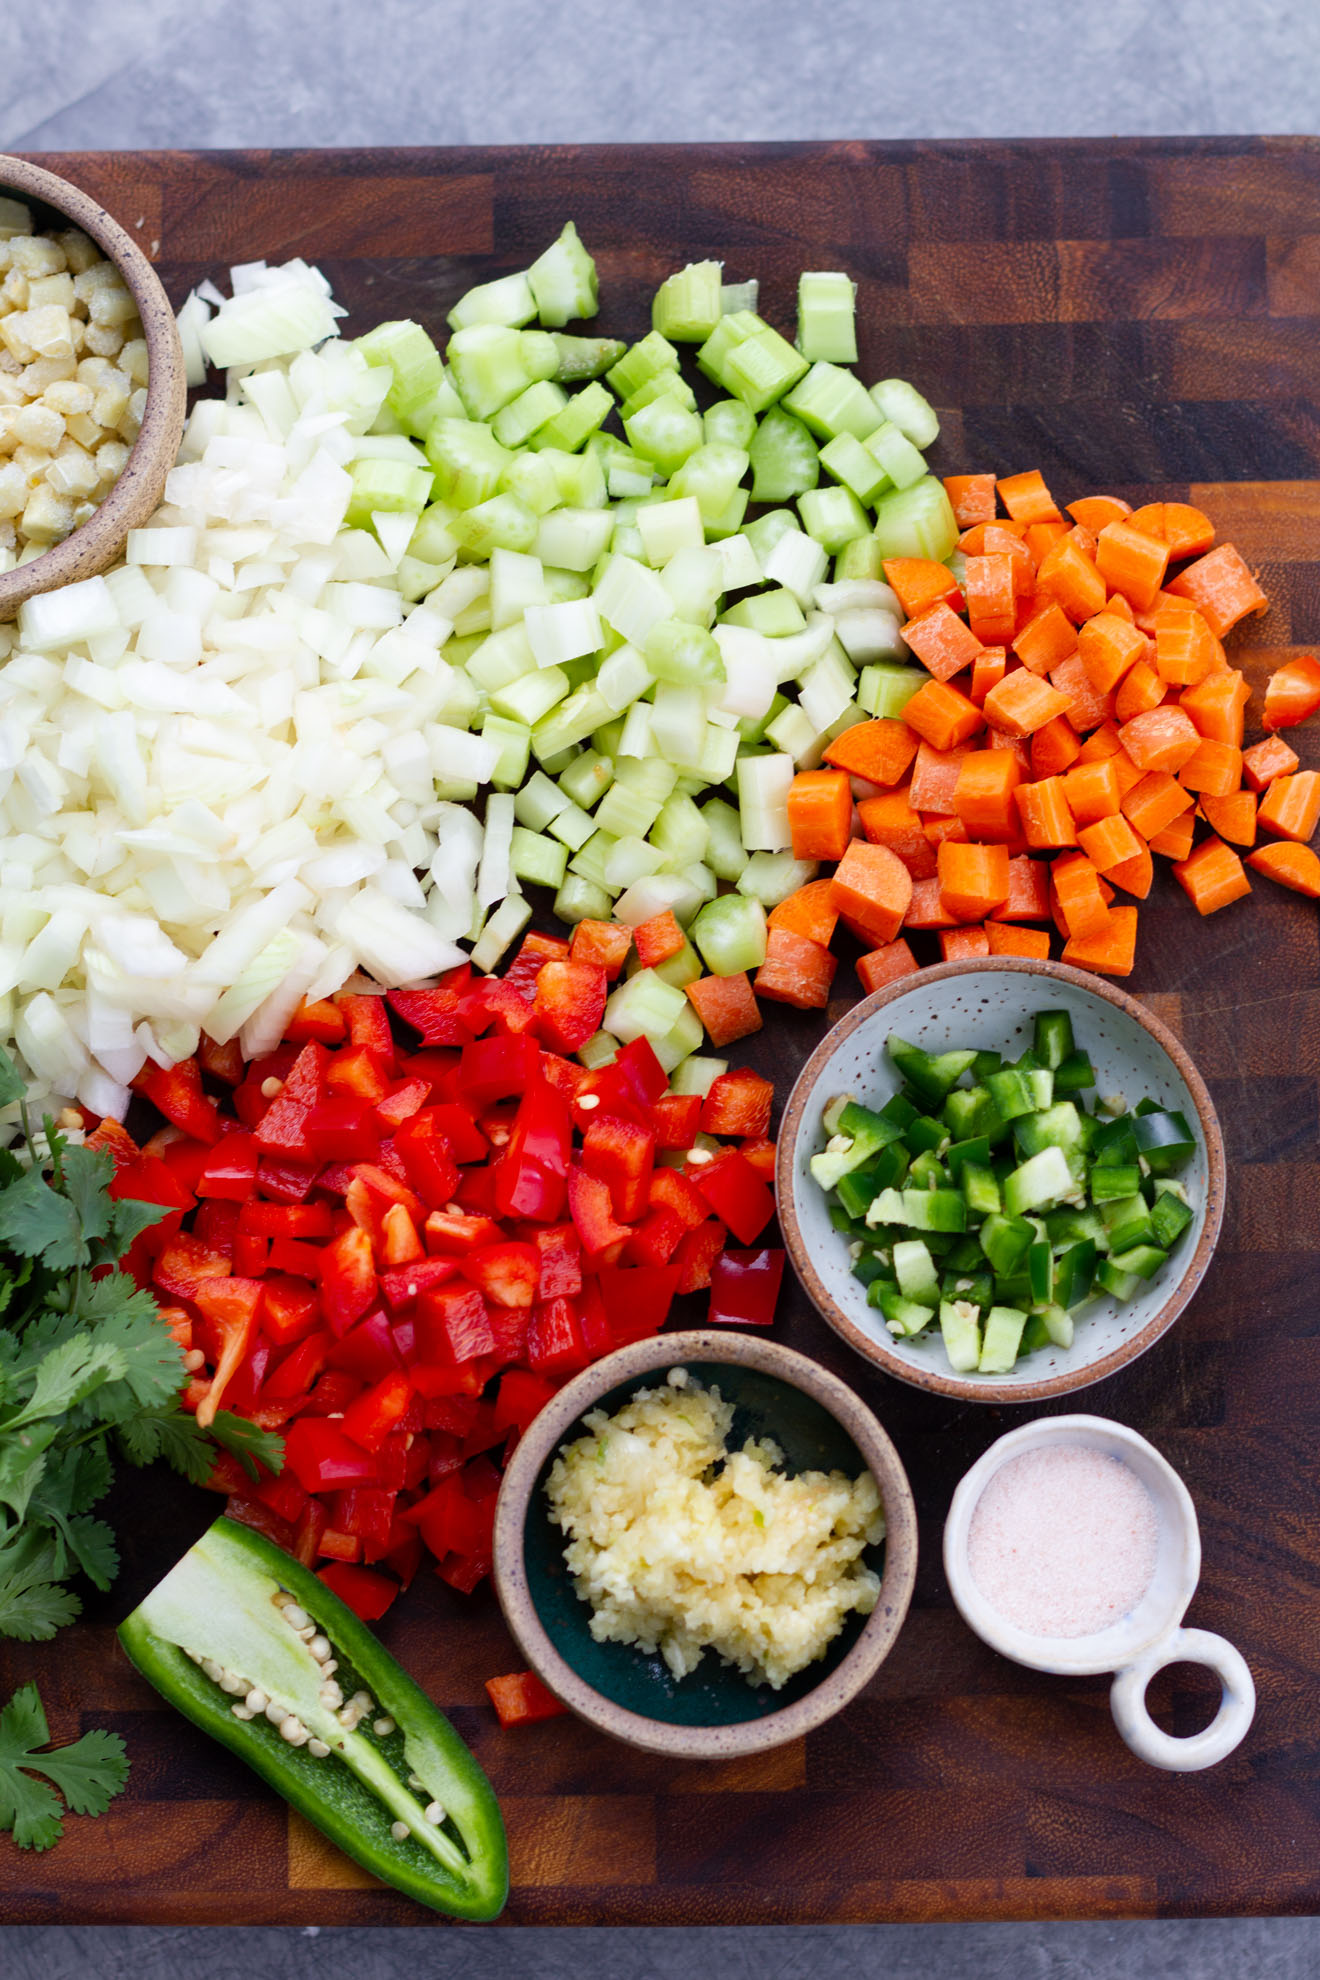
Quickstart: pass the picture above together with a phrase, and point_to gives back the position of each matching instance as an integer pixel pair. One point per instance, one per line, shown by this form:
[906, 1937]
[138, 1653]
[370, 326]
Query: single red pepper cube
[458, 1125]
[347, 1279]
[296, 1374]
[186, 1264]
[476, 1192]
[176, 1092]
[605, 943]
[497, 1069]
[594, 1322]
[223, 1062]
[230, 1169]
[537, 950]
[465, 1572]
[620, 1153]
[736, 1194]
[287, 1220]
[520, 1399]
[283, 1495]
[289, 1311]
[508, 1326]
[322, 1021]
[294, 1255]
[430, 1167]
[521, 1699]
[658, 939]
[405, 1098]
[505, 1273]
[434, 1013]
[368, 1351]
[656, 1238]
[493, 1003]
[696, 1256]
[359, 1072]
[322, 1458]
[336, 1545]
[637, 1064]
[590, 1208]
[282, 1131]
[554, 1340]
[404, 1283]
[560, 1260]
[307, 1534]
[216, 1225]
[370, 1419]
[251, 1255]
[637, 1299]
[251, 1511]
[570, 1003]
[529, 1177]
[343, 1128]
[368, 1024]
[453, 1233]
[738, 1103]
[452, 1325]
[367, 1512]
[305, 1079]
[332, 1393]
[672, 1187]
[674, 1118]
[744, 1287]
[367, 1593]
[285, 1182]
[761, 1154]
[565, 1075]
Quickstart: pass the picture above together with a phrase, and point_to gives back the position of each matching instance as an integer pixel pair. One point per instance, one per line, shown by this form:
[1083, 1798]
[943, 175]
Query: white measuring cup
[1142, 1642]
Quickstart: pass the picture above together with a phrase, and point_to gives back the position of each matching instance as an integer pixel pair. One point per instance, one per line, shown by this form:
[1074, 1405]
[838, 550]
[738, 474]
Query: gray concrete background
[116, 74]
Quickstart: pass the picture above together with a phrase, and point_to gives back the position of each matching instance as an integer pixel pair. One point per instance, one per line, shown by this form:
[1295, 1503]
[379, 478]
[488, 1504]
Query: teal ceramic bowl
[714, 1713]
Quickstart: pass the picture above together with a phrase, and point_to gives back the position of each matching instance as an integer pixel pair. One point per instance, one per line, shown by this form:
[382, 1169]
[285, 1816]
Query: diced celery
[665, 384]
[571, 722]
[729, 423]
[562, 632]
[833, 516]
[645, 360]
[687, 306]
[538, 802]
[869, 634]
[900, 402]
[917, 522]
[630, 859]
[680, 1041]
[513, 738]
[797, 562]
[711, 473]
[895, 455]
[826, 325]
[388, 487]
[643, 1007]
[761, 369]
[697, 1075]
[563, 280]
[636, 737]
[502, 523]
[725, 854]
[531, 696]
[678, 723]
[532, 478]
[773, 613]
[490, 364]
[576, 420]
[886, 690]
[573, 539]
[765, 532]
[431, 540]
[561, 585]
[573, 827]
[719, 754]
[683, 653]
[861, 558]
[587, 778]
[537, 859]
[772, 877]
[784, 457]
[830, 400]
[731, 934]
[502, 657]
[694, 579]
[622, 677]
[680, 831]
[730, 519]
[585, 357]
[507, 300]
[738, 560]
[828, 689]
[577, 900]
[412, 359]
[504, 927]
[665, 433]
[626, 812]
[793, 731]
[849, 462]
[734, 328]
[632, 599]
[670, 526]
[756, 730]
[736, 296]
[580, 477]
[468, 461]
[515, 423]
[589, 860]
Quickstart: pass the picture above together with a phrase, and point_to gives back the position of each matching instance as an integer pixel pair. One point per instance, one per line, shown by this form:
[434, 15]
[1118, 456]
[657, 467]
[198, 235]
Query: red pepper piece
[505, 1273]
[367, 1512]
[176, 1092]
[360, 1073]
[434, 1013]
[332, 1393]
[116, 1141]
[307, 1534]
[656, 1238]
[343, 1128]
[491, 1002]
[589, 1206]
[427, 1160]
[368, 1024]
[497, 1069]
[570, 1002]
[290, 1220]
[216, 1225]
[637, 1299]
[229, 1307]
[560, 1260]
[452, 1234]
[251, 1511]
[289, 1311]
[520, 1399]
[554, 1339]
[283, 1495]
[401, 1244]
[285, 1182]
[738, 1103]
[251, 1255]
[186, 1264]
[282, 1131]
[368, 1351]
[620, 1153]
[348, 1279]
[405, 1283]
[672, 1187]
[529, 1179]
[305, 1080]
[299, 1369]
[402, 1102]
[223, 1062]
[736, 1194]
[293, 1255]
[323, 1459]
[536, 951]
[459, 1127]
[183, 1157]
[658, 939]
[594, 1322]
[521, 1699]
[744, 1287]
[696, 1256]
[323, 1021]
[370, 1419]
[675, 1117]
[367, 1593]
[761, 1154]
[230, 1169]
[508, 1326]
[466, 1571]
[336, 1545]
[452, 1326]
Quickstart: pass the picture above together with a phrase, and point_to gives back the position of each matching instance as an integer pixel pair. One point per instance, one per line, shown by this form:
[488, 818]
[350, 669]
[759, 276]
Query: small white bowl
[1141, 1643]
[990, 1005]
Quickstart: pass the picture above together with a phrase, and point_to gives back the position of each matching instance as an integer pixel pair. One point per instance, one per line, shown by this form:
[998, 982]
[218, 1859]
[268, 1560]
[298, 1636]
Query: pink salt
[1062, 1541]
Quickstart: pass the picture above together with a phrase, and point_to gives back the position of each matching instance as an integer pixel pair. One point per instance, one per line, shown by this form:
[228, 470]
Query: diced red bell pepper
[304, 1083]
[336, 1545]
[343, 1128]
[506, 1273]
[285, 1182]
[492, 1003]
[761, 1154]
[185, 1264]
[297, 1372]
[183, 1157]
[223, 1062]
[322, 1021]
[529, 1179]
[744, 1287]
[676, 1190]
[370, 1419]
[360, 1074]
[240, 1395]
[322, 1458]
[591, 1211]
[554, 1339]
[637, 1067]
[620, 1153]
[368, 1351]
[282, 1131]
[226, 1475]
[565, 1075]
[367, 1593]
[452, 1326]
[637, 1299]
[348, 1279]
[283, 1495]
[508, 1325]
[176, 1092]
[373, 1191]
[674, 1117]
[559, 1256]
[367, 1512]
[290, 1220]
[250, 1511]
[229, 1308]
[405, 1283]
[658, 939]
[289, 1310]
[401, 1244]
[368, 1024]
[458, 1126]
[522, 1700]
[216, 1225]
[251, 1255]
[738, 1103]
[497, 1069]
[520, 1399]
[696, 1256]
[736, 1194]
[307, 1533]
[332, 1393]
[594, 1322]
[570, 1002]
[453, 1233]
[604, 943]
[112, 1138]
[465, 1572]
[230, 1169]
[537, 950]
[655, 1240]
[403, 1100]
[427, 1159]
[433, 1013]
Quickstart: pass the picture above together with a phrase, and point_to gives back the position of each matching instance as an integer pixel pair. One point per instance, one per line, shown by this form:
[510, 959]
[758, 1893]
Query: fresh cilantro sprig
[88, 1373]
[88, 1774]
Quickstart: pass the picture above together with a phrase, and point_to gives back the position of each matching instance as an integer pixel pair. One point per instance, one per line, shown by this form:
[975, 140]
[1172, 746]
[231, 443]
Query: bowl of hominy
[93, 392]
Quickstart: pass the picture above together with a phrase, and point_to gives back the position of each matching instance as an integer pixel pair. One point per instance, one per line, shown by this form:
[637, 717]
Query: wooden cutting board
[1137, 317]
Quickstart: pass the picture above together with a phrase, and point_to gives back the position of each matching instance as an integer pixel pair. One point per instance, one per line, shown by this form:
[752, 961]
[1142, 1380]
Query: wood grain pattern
[1139, 316]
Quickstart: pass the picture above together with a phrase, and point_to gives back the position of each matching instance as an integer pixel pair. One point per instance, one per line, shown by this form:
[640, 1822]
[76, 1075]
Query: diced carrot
[1047, 822]
[1214, 767]
[885, 965]
[602, 943]
[1108, 646]
[1185, 648]
[879, 751]
[1048, 636]
[1127, 773]
[807, 911]
[1007, 940]
[889, 820]
[1212, 876]
[1027, 499]
[795, 971]
[926, 908]
[1154, 803]
[1292, 866]
[1164, 739]
[871, 889]
[1087, 706]
[938, 829]
[1111, 950]
[820, 813]
[726, 1007]
[935, 779]
[942, 715]
[920, 583]
[1001, 540]
[1054, 747]
[1131, 562]
[942, 643]
[1092, 790]
[988, 583]
[1104, 742]
[1028, 891]
[1291, 806]
[1222, 589]
[1140, 690]
[1082, 906]
[1121, 608]
[1023, 703]
[1109, 842]
[1067, 574]
[1233, 816]
[988, 670]
[1094, 511]
[1175, 841]
[1217, 705]
[995, 534]
[973, 879]
[1018, 746]
[1135, 875]
[1041, 538]
[963, 944]
[1166, 601]
[983, 795]
[972, 498]
[1292, 693]
[1187, 531]
[1265, 761]
[661, 937]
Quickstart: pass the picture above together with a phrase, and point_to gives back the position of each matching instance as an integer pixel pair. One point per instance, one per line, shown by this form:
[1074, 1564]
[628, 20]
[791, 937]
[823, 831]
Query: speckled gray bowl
[135, 495]
[989, 1005]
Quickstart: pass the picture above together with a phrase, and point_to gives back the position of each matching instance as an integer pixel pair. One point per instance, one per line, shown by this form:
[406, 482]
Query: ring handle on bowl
[1237, 1708]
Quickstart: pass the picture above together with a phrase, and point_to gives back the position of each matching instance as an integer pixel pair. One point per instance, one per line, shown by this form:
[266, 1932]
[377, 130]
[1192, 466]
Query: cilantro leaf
[88, 1773]
[74, 1480]
[67, 1375]
[11, 1080]
[128, 1219]
[92, 1545]
[37, 1222]
[129, 1323]
[32, 1605]
[248, 1442]
[172, 1435]
[87, 1175]
[22, 1464]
